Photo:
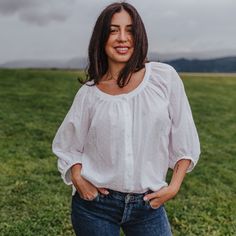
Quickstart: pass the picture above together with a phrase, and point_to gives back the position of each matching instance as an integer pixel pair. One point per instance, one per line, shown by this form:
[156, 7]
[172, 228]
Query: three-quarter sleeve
[183, 138]
[69, 140]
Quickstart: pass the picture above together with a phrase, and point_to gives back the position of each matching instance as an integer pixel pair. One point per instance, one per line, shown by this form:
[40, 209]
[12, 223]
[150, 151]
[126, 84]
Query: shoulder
[82, 94]
[163, 76]
[86, 93]
[163, 72]
[85, 89]
[164, 67]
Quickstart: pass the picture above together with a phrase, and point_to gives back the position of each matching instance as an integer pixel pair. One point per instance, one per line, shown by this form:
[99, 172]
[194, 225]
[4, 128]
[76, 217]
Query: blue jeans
[105, 214]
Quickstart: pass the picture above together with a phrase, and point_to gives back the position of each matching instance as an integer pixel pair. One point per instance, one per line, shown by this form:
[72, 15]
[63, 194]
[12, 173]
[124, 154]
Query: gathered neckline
[130, 93]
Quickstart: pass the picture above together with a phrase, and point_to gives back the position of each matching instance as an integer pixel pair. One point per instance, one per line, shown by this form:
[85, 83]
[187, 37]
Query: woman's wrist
[174, 188]
[179, 173]
[75, 170]
[76, 167]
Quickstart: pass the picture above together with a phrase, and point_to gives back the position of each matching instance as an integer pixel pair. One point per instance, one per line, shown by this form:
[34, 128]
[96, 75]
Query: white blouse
[127, 142]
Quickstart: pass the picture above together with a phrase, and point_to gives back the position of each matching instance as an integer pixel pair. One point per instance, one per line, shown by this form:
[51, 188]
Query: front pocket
[96, 199]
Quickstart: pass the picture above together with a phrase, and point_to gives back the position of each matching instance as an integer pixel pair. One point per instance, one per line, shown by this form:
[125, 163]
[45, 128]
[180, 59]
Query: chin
[121, 59]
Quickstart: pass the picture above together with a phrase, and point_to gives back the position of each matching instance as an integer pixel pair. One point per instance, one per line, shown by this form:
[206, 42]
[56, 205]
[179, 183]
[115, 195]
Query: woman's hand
[166, 193]
[160, 197]
[85, 189]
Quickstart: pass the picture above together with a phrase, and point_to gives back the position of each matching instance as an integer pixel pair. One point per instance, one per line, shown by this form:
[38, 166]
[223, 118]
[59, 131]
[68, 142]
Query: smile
[121, 50]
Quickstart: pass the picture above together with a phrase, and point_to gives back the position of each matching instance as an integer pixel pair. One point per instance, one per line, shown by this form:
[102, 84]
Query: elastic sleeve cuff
[191, 166]
[66, 174]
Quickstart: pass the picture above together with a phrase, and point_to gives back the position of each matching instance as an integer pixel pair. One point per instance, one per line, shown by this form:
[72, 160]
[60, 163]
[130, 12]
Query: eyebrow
[119, 26]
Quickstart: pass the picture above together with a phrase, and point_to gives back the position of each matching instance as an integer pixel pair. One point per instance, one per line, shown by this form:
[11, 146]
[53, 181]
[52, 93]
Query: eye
[113, 30]
[130, 30]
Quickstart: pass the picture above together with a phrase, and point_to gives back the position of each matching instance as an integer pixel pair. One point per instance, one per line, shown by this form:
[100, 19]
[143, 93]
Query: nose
[123, 36]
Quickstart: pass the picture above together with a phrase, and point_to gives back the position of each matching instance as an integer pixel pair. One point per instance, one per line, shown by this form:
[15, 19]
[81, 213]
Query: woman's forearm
[168, 192]
[179, 173]
[75, 172]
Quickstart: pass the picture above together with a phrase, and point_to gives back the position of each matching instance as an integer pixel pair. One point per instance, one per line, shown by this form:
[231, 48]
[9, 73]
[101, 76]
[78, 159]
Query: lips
[121, 50]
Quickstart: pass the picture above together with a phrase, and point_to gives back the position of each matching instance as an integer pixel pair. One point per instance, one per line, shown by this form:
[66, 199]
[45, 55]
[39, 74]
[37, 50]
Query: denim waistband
[128, 197]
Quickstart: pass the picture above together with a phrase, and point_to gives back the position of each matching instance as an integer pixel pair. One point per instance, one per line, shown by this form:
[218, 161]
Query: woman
[129, 122]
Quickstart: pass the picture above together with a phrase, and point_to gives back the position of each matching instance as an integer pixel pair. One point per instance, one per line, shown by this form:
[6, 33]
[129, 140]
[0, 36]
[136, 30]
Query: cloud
[38, 12]
[41, 18]
[14, 6]
[172, 26]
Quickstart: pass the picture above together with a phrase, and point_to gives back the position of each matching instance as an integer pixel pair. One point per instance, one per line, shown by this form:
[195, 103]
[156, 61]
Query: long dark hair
[97, 58]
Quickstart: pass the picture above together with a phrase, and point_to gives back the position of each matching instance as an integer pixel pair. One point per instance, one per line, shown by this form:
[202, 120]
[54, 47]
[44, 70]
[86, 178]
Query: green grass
[35, 201]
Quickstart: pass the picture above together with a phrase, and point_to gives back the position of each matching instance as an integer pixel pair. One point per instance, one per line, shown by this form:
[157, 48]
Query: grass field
[35, 201]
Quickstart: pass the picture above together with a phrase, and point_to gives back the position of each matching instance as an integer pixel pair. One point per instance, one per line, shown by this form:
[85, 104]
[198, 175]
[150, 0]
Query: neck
[114, 69]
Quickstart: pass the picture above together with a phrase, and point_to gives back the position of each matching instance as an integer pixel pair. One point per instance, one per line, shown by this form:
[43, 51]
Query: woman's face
[119, 46]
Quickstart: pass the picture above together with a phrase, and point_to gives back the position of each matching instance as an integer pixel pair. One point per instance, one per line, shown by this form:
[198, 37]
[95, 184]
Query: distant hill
[224, 64]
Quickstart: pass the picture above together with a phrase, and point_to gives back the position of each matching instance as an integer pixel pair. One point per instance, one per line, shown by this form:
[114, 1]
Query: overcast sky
[61, 29]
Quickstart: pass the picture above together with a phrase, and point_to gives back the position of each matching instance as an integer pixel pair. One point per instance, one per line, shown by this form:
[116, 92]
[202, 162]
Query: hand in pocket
[86, 190]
